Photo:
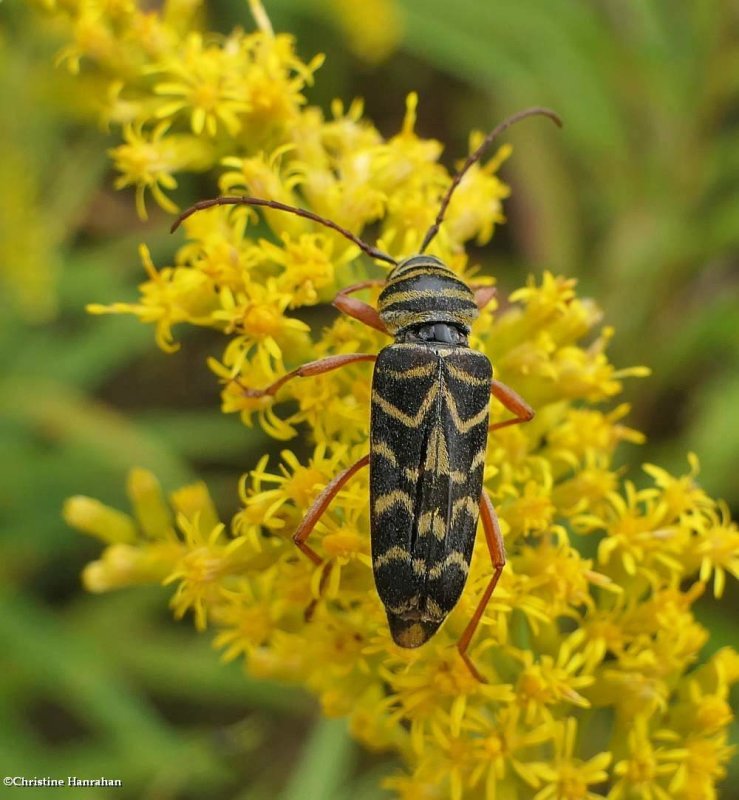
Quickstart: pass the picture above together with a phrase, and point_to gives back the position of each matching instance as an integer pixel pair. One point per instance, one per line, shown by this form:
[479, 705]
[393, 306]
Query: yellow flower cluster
[589, 644]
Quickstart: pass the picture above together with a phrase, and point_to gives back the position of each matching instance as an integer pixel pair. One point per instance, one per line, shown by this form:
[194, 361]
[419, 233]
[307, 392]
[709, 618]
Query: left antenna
[245, 200]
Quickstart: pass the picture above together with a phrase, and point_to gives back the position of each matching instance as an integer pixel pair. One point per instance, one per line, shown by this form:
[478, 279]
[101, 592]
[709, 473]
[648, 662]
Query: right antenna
[477, 155]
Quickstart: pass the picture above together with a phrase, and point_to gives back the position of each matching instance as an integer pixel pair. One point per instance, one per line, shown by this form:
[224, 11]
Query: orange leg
[494, 539]
[514, 403]
[320, 504]
[311, 368]
[356, 308]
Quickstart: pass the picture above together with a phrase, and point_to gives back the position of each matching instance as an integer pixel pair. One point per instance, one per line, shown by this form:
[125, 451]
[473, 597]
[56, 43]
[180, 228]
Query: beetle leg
[320, 504]
[514, 403]
[483, 295]
[311, 368]
[356, 308]
[494, 539]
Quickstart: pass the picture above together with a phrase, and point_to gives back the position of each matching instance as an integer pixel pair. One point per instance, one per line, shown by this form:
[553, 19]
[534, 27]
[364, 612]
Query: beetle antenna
[245, 200]
[476, 156]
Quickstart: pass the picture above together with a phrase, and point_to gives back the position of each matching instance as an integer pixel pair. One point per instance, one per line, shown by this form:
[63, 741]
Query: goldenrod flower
[642, 774]
[569, 644]
[202, 80]
[568, 777]
[149, 160]
[718, 547]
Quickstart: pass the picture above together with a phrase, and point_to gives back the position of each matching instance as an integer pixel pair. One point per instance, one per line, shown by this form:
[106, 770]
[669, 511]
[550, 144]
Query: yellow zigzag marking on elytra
[479, 458]
[407, 420]
[394, 553]
[434, 610]
[463, 426]
[432, 522]
[423, 371]
[396, 497]
[464, 504]
[419, 566]
[437, 455]
[404, 608]
[412, 474]
[465, 377]
[381, 448]
[455, 558]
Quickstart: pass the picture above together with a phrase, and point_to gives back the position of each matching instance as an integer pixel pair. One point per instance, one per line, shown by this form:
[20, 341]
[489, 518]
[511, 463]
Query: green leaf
[326, 762]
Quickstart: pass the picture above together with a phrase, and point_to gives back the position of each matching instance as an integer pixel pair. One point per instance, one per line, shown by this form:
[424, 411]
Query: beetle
[428, 428]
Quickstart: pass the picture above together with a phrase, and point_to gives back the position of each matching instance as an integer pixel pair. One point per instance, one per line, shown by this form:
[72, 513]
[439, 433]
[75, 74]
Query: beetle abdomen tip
[411, 633]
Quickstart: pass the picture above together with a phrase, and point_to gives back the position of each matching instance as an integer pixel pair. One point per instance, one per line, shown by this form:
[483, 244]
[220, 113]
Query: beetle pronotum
[428, 428]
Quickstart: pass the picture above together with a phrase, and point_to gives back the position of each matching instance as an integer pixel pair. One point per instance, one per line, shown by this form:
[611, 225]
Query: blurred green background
[638, 197]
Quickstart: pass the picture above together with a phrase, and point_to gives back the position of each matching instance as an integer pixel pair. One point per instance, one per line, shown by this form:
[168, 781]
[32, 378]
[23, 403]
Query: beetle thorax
[422, 290]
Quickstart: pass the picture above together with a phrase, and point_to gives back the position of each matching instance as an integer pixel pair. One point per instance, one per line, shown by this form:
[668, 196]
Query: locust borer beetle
[428, 428]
